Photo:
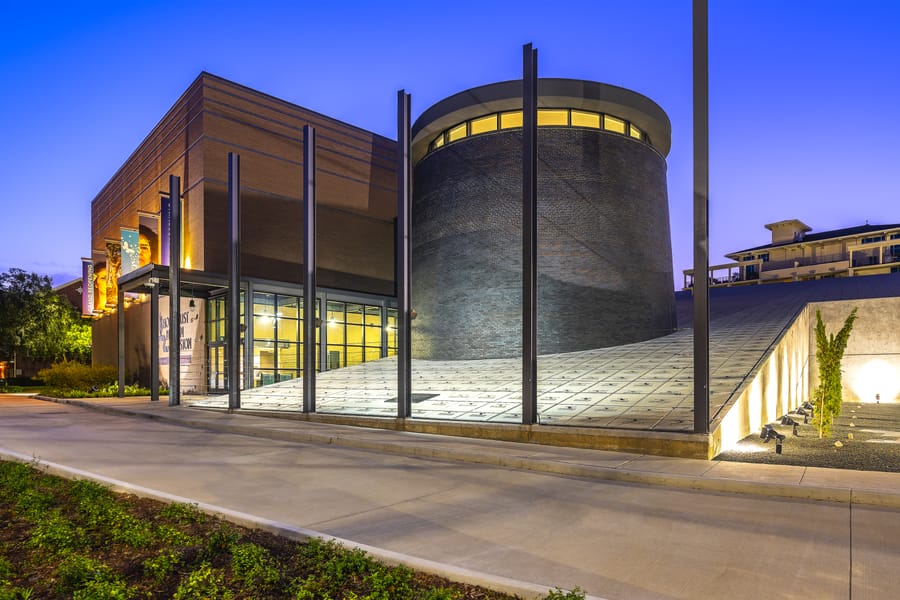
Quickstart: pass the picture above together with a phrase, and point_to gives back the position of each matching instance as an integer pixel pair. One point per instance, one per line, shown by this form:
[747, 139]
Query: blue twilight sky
[804, 112]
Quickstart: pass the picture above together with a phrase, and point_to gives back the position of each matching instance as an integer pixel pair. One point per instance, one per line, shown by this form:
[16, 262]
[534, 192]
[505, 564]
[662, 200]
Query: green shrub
[184, 514]
[34, 504]
[15, 593]
[15, 479]
[76, 570]
[6, 571]
[254, 567]
[115, 589]
[84, 490]
[220, 541]
[390, 583]
[161, 566]
[76, 376]
[55, 533]
[204, 583]
[171, 536]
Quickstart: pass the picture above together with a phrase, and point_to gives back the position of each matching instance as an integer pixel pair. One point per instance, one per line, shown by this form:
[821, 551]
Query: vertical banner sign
[148, 241]
[165, 217]
[87, 287]
[129, 250]
[99, 259]
[113, 271]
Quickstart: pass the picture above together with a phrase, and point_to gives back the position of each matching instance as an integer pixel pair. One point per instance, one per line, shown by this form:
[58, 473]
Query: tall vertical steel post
[309, 269]
[233, 320]
[154, 343]
[120, 325]
[404, 265]
[701, 215]
[175, 291]
[529, 234]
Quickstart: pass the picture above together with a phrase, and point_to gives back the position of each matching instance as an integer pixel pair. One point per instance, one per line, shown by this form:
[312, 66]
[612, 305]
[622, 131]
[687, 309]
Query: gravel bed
[869, 436]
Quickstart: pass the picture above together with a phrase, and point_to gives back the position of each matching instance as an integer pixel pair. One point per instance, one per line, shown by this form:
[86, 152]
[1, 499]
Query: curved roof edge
[552, 93]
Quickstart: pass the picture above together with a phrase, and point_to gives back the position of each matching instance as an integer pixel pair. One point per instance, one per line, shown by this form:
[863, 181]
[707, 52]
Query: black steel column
[529, 235]
[233, 320]
[175, 291]
[309, 269]
[402, 269]
[154, 342]
[120, 324]
[247, 333]
[701, 216]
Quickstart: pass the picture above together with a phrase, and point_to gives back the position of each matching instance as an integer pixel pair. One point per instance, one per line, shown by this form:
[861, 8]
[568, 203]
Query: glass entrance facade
[358, 333]
[216, 347]
[278, 337]
[354, 332]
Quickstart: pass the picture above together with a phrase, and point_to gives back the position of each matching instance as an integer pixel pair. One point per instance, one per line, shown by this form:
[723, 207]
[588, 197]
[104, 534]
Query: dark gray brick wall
[604, 248]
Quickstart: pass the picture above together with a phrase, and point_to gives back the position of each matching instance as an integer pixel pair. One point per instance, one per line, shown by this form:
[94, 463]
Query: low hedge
[78, 377]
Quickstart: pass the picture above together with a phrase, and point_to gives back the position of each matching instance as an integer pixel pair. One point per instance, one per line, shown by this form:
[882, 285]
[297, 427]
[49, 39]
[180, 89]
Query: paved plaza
[647, 385]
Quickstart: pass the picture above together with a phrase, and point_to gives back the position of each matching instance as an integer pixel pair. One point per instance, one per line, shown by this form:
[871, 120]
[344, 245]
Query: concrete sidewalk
[806, 483]
[511, 516]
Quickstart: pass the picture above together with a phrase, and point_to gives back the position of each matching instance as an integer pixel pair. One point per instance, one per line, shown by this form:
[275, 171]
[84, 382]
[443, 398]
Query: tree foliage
[829, 353]
[36, 322]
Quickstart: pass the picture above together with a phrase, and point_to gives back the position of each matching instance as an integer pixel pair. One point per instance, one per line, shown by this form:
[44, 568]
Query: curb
[845, 495]
[497, 583]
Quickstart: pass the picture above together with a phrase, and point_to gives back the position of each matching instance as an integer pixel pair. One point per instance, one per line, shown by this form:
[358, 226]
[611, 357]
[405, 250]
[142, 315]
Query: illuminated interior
[354, 333]
[278, 337]
[547, 117]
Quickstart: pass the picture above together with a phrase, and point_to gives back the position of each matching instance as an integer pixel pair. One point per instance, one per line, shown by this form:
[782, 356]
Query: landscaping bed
[76, 539]
[869, 436]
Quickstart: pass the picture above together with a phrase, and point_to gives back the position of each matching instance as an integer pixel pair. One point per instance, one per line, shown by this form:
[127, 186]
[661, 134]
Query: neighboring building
[795, 254]
[71, 291]
[356, 210]
[604, 246]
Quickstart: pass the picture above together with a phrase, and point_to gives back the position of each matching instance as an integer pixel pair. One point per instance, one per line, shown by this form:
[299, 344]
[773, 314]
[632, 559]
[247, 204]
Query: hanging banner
[87, 287]
[148, 239]
[129, 250]
[165, 222]
[113, 271]
[100, 279]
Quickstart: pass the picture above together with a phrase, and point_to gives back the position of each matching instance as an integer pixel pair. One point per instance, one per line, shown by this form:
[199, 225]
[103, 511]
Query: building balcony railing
[805, 261]
[747, 273]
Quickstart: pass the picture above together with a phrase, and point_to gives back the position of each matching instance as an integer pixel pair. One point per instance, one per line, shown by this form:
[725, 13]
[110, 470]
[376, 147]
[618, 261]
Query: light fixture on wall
[192, 306]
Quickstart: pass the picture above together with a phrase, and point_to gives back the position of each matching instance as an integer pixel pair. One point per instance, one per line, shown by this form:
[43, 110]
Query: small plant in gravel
[829, 353]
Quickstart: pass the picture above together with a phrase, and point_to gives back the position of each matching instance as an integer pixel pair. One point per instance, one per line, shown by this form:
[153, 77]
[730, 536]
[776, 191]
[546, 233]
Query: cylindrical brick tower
[604, 248]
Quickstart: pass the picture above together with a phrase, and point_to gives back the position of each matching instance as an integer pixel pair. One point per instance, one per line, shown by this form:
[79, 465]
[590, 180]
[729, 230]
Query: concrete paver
[537, 526]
